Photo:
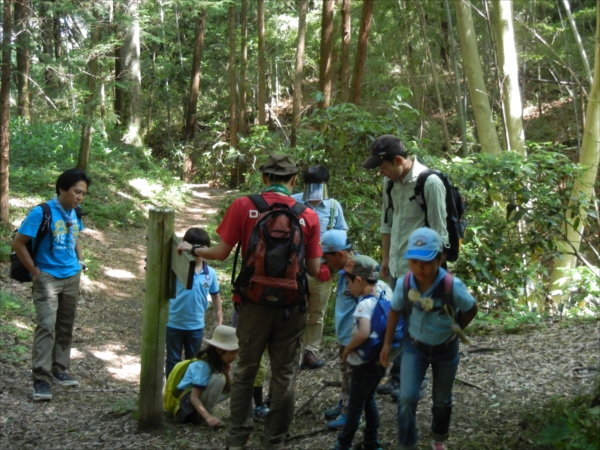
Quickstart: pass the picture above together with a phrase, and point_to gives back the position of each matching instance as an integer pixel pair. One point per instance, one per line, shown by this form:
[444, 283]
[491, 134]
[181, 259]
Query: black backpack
[273, 269]
[18, 271]
[455, 210]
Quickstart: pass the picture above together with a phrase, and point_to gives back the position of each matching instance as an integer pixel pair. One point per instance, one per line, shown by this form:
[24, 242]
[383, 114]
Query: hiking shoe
[310, 361]
[260, 412]
[41, 391]
[334, 412]
[64, 379]
[389, 387]
[338, 423]
[370, 445]
[438, 445]
[337, 446]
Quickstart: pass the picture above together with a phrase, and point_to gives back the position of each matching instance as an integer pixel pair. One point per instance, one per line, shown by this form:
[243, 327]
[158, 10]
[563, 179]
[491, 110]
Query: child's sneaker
[338, 423]
[260, 412]
[41, 391]
[64, 379]
[337, 446]
[333, 413]
[438, 445]
[370, 445]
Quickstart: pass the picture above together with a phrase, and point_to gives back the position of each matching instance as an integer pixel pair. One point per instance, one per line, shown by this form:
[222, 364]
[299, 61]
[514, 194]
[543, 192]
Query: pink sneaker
[438, 445]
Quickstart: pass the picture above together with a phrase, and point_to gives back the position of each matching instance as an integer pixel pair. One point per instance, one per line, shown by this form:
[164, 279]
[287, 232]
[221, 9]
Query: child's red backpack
[273, 269]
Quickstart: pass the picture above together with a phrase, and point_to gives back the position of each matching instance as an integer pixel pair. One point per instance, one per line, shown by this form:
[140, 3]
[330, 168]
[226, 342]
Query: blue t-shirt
[196, 375]
[323, 210]
[186, 310]
[60, 260]
[433, 327]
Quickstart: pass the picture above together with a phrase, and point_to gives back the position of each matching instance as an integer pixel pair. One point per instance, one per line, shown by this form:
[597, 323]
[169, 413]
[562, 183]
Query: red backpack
[273, 270]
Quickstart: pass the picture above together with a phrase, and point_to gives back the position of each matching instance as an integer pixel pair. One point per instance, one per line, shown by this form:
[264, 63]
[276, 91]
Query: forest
[176, 103]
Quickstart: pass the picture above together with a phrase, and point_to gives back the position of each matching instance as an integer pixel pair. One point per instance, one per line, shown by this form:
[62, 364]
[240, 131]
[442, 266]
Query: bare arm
[390, 331]
[202, 411]
[19, 245]
[218, 307]
[467, 317]
[219, 252]
[361, 335]
[313, 265]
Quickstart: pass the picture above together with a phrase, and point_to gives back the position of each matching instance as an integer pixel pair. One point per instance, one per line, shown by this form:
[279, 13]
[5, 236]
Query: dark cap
[362, 266]
[383, 146]
[279, 164]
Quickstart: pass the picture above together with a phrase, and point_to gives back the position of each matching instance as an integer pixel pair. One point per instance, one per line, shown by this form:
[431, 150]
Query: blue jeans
[177, 340]
[416, 357]
[363, 384]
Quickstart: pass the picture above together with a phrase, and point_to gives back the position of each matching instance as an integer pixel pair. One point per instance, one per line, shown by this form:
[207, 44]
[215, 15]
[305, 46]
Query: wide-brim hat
[424, 244]
[224, 337]
[279, 164]
[382, 147]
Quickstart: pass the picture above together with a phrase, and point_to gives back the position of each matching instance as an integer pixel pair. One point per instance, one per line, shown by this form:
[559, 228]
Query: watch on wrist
[193, 250]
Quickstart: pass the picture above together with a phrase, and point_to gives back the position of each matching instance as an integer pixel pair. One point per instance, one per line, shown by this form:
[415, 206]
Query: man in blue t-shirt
[55, 274]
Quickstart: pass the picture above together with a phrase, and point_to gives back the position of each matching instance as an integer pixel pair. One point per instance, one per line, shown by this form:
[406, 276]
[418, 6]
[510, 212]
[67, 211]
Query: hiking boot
[369, 445]
[389, 387]
[337, 446]
[334, 412]
[260, 412]
[41, 391]
[64, 379]
[438, 445]
[338, 423]
[310, 361]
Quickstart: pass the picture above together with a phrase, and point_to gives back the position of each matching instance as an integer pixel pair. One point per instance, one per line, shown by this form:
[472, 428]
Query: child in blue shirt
[185, 327]
[206, 381]
[361, 273]
[432, 337]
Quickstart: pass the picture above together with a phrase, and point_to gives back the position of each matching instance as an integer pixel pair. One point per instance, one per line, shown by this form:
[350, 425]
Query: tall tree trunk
[233, 138]
[90, 101]
[22, 12]
[131, 121]
[584, 185]
[434, 77]
[509, 65]
[262, 64]
[118, 90]
[345, 57]
[484, 122]
[299, 72]
[47, 40]
[242, 126]
[190, 117]
[584, 59]
[5, 110]
[361, 51]
[326, 52]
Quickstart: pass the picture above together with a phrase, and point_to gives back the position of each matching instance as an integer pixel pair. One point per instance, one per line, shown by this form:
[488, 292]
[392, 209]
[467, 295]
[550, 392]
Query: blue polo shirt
[56, 254]
[196, 375]
[433, 327]
[323, 210]
[187, 309]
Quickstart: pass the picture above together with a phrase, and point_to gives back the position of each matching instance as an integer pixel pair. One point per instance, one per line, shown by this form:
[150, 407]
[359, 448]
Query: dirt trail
[498, 386]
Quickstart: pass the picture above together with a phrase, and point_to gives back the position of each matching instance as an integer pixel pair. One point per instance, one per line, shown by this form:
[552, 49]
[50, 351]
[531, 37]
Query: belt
[431, 348]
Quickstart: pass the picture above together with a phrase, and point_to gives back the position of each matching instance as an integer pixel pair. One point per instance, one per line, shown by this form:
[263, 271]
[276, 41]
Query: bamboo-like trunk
[299, 75]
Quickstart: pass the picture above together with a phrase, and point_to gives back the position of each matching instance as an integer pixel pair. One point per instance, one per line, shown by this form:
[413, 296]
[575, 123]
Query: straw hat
[224, 338]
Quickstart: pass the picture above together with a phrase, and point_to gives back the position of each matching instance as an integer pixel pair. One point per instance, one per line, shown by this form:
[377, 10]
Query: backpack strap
[407, 303]
[388, 191]
[419, 194]
[448, 298]
[43, 229]
[332, 211]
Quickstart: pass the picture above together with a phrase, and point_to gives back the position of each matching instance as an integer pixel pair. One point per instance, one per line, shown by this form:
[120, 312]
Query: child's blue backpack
[370, 349]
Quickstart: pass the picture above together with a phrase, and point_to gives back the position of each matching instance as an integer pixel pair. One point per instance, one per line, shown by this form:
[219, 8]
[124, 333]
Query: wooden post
[156, 312]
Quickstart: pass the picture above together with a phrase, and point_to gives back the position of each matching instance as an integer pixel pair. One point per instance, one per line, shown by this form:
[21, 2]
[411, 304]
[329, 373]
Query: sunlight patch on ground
[122, 367]
[146, 188]
[118, 273]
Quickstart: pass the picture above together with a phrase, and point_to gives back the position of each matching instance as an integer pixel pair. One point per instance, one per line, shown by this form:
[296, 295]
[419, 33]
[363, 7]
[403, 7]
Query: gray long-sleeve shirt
[408, 215]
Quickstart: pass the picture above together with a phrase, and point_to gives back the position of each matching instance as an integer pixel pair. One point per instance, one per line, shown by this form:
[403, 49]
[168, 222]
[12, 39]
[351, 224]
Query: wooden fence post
[156, 312]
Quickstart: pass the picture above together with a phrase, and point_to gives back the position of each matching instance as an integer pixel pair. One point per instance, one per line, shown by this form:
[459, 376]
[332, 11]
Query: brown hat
[279, 164]
[386, 145]
[362, 266]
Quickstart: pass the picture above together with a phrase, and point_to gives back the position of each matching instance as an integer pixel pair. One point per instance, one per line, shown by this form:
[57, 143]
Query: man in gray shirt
[403, 215]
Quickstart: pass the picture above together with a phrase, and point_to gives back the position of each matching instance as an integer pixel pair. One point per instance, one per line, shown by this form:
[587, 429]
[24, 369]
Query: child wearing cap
[361, 273]
[207, 380]
[337, 250]
[432, 335]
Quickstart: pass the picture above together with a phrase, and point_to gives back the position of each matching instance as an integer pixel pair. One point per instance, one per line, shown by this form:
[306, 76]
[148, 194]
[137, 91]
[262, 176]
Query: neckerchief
[278, 188]
[69, 219]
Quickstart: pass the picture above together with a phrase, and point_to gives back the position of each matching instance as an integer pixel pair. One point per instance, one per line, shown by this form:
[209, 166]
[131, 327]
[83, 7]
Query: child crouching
[206, 381]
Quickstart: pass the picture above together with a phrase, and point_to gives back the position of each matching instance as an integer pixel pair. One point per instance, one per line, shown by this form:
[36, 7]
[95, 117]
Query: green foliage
[125, 183]
[572, 424]
[13, 312]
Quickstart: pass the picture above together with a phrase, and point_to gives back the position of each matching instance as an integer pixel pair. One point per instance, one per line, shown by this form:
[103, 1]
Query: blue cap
[424, 244]
[335, 240]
